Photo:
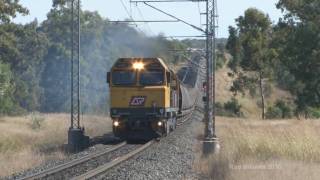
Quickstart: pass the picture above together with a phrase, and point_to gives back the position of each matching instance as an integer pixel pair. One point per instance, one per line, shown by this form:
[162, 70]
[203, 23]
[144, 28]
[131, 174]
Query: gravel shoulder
[171, 158]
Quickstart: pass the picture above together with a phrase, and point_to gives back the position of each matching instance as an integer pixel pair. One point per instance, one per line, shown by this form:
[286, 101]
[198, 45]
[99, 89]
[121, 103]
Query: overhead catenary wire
[129, 14]
[174, 17]
[141, 15]
[126, 9]
[199, 9]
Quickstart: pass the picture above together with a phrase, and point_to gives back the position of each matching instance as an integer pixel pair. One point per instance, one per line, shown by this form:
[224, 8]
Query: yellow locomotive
[145, 98]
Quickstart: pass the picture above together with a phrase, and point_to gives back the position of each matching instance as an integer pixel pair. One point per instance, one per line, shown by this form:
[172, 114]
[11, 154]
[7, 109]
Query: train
[146, 98]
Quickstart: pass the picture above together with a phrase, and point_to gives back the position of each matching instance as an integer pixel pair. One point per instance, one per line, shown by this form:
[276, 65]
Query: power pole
[210, 143]
[76, 138]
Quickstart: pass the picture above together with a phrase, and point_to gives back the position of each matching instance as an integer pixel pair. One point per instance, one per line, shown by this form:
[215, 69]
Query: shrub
[231, 108]
[36, 121]
[273, 113]
[286, 108]
[220, 61]
[281, 109]
[314, 112]
[219, 109]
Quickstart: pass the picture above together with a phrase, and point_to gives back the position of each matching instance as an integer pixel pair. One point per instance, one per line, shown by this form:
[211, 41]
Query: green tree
[251, 43]
[9, 10]
[297, 41]
[55, 77]
[234, 48]
[22, 49]
[301, 11]
[6, 89]
[27, 66]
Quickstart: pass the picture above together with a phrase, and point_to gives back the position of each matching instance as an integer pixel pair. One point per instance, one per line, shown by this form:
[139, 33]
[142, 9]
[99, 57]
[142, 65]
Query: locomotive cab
[144, 99]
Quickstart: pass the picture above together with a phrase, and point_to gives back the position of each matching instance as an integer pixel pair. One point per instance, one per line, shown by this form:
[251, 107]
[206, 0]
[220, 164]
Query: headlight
[160, 123]
[116, 123]
[138, 65]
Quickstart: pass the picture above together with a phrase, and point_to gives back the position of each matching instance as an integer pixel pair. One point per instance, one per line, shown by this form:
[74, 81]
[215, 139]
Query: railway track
[185, 118]
[87, 163]
[102, 169]
[94, 164]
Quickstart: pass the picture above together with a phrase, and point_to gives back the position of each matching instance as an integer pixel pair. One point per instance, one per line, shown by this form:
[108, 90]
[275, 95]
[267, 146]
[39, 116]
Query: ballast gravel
[171, 158]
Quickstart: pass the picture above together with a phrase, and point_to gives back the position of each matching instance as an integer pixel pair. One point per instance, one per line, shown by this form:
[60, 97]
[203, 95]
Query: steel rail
[65, 166]
[190, 112]
[186, 119]
[102, 169]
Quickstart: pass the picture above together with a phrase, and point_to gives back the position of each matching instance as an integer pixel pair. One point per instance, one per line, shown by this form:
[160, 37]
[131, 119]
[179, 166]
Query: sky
[228, 10]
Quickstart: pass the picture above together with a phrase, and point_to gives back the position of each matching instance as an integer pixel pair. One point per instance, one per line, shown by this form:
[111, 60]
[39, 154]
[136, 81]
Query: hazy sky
[113, 9]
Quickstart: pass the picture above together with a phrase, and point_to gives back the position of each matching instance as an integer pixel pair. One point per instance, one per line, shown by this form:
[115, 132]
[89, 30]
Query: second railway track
[87, 163]
[95, 164]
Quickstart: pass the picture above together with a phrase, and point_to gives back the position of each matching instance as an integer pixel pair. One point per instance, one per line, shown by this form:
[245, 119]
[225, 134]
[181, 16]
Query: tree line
[286, 53]
[35, 58]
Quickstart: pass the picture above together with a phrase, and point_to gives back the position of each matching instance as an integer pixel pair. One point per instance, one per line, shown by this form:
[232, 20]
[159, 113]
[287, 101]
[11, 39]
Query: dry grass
[23, 147]
[256, 149]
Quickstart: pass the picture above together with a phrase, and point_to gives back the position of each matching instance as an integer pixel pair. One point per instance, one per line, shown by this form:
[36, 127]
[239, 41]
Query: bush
[36, 121]
[286, 108]
[231, 108]
[221, 60]
[273, 113]
[281, 109]
[314, 112]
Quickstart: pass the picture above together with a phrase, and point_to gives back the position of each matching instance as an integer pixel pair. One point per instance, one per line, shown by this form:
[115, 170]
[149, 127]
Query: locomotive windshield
[152, 77]
[124, 78]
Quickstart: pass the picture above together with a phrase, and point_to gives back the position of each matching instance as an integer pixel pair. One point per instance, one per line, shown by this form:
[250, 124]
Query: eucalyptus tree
[297, 41]
[10, 9]
[249, 43]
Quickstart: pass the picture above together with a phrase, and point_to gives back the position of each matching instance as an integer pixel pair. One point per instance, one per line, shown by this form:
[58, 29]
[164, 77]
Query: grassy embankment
[256, 149]
[28, 141]
[260, 149]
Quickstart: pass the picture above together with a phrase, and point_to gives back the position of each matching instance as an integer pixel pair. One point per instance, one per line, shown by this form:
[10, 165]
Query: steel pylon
[76, 138]
[75, 65]
[210, 141]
